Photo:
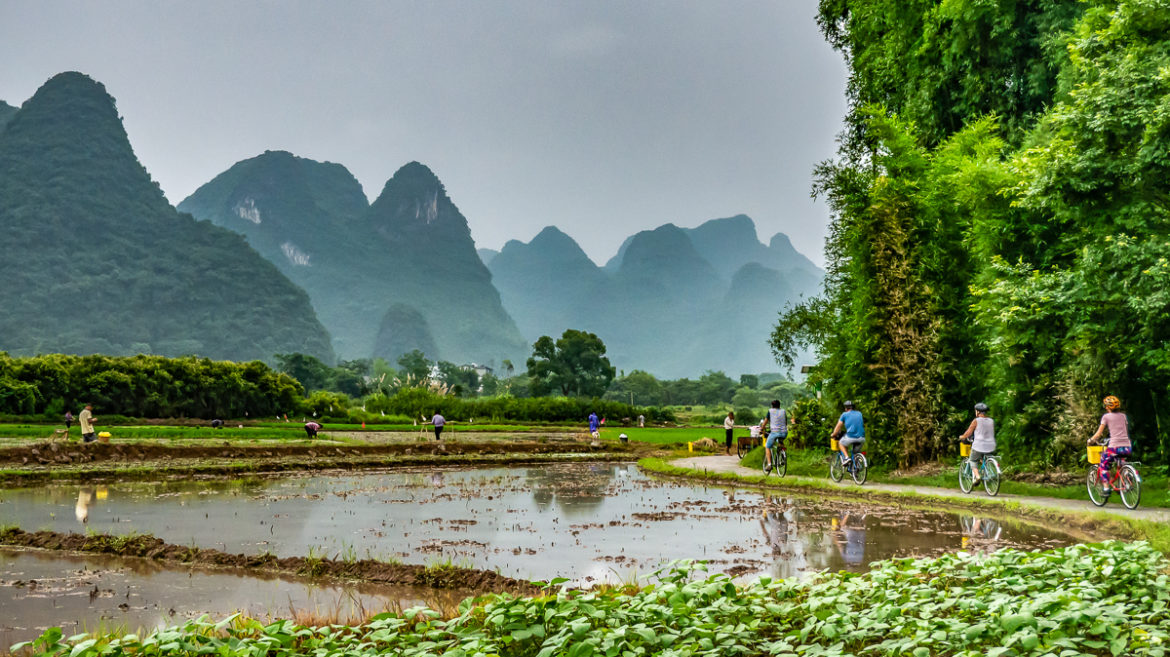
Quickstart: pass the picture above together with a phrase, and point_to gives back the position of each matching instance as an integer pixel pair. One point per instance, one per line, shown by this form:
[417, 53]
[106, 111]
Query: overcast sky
[600, 117]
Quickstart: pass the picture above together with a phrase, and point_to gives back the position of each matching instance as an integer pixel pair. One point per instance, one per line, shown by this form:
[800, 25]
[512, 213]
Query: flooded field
[84, 594]
[586, 522]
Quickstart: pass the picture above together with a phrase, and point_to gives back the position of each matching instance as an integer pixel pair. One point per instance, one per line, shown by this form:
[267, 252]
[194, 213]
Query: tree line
[1000, 223]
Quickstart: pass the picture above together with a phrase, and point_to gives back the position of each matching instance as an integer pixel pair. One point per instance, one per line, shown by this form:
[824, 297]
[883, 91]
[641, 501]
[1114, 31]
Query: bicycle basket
[964, 449]
[833, 444]
[1095, 454]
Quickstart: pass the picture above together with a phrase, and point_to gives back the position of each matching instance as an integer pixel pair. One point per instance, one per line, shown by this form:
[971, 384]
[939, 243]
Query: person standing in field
[594, 425]
[68, 423]
[438, 421]
[85, 421]
[641, 420]
[729, 428]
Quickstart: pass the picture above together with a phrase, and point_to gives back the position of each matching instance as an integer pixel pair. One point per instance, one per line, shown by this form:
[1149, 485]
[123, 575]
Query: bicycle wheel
[1096, 488]
[991, 476]
[764, 464]
[966, 476]
[836, 467]
[1129, 485]
[741, 449]
[860, 468]
[781, 462]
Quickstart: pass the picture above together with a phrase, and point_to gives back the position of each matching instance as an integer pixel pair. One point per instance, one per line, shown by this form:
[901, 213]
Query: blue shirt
[593, 422]
[854, 426]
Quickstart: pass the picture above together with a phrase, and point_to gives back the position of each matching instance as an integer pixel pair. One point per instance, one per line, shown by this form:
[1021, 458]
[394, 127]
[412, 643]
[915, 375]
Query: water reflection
[586, 522]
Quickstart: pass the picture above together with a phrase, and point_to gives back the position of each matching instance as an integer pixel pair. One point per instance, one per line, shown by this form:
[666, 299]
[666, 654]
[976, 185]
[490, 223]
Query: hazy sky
[601, 117]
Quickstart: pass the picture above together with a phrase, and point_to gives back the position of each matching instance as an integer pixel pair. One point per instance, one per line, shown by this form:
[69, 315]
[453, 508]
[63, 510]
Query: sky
[602, 117]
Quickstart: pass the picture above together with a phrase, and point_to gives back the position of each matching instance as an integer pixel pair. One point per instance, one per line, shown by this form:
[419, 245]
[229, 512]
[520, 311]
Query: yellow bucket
[964, 449]
[1095, 454]
[833, 444]
[690, 447]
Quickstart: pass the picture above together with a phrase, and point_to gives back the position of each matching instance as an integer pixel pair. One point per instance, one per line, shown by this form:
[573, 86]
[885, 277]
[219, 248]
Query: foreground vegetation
[1107, 599]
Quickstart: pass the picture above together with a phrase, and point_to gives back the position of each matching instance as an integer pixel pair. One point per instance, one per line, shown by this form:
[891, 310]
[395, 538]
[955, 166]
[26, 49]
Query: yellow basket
[964, 449]
[1095, 454]
[833, 444]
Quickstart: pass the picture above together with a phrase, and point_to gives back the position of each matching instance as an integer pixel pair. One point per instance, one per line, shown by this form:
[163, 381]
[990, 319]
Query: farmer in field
[311, 428]
[594, 425]
[439, 421]
[68, 422]
[85, 420]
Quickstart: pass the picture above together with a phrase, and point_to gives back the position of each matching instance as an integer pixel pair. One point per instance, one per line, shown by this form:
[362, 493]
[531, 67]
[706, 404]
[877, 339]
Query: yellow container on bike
[964, 449]
[833, 444]
[1095, 454]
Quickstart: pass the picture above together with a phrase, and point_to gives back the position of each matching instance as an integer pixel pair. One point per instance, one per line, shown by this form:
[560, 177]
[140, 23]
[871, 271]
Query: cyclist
[853, 425]
[777, 421]
[983, 428]
[1119, 445]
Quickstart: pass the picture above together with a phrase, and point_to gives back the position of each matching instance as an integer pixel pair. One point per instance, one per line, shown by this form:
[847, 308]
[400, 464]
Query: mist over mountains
[97, 260]
[104, 264]
[673, 301]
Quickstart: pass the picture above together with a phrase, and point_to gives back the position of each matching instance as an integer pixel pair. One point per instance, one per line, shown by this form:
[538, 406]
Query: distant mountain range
[399, 274]
[673, 301]
[97, 261]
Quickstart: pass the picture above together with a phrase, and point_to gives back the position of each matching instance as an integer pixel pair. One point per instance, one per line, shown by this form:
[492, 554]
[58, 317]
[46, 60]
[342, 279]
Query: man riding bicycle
[777, 421]
[1119, 444]
[853, 425]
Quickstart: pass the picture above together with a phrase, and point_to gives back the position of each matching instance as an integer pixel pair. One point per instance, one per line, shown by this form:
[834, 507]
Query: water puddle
[587, 522]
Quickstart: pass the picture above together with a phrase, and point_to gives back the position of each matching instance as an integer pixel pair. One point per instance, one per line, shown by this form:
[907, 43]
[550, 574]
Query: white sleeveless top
[984, 435]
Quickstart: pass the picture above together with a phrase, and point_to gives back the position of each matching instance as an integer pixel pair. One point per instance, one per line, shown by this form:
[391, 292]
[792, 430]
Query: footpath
[721, 464]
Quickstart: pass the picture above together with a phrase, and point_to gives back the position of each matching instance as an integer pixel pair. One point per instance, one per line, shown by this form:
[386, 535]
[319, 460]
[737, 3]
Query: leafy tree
[415, 365]
[573, 365]
[749, 380]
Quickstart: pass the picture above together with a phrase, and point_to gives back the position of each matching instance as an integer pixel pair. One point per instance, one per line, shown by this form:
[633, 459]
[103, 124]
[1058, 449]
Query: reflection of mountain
[577, 494]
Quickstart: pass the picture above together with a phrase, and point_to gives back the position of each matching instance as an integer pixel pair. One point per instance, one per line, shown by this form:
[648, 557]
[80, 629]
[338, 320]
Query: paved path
[721, 464]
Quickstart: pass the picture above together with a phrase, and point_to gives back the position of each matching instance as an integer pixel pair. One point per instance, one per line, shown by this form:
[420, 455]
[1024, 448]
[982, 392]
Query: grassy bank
[1076, 601]
[813, 463]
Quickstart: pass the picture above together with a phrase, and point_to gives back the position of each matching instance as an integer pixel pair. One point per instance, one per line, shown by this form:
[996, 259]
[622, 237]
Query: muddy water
[586, 522]
[86, 594]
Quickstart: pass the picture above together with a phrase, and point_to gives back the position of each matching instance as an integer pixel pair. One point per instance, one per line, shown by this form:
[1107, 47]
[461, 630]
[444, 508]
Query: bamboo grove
[1001, 223]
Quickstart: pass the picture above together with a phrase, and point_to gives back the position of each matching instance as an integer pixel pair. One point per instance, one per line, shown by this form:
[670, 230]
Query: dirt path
[730, 464]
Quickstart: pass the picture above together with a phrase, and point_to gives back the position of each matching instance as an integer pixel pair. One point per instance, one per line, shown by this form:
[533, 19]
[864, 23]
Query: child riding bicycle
[983, 443]
[1119, 445]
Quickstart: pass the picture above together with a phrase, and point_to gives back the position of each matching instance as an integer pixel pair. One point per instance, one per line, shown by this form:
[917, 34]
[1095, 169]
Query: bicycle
[1122, 477]
[857, 466]
[989, 472]
[779, 460]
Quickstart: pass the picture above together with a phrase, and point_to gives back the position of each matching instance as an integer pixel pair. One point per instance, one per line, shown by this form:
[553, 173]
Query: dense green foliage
[388, 277]
[1004, 246]
[144, 386]
[99, 262]
[674, 302]
[575, 364]
[1074, 602]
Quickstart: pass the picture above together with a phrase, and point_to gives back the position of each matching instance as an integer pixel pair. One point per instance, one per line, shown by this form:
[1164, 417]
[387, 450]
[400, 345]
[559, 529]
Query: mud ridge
[363, 570]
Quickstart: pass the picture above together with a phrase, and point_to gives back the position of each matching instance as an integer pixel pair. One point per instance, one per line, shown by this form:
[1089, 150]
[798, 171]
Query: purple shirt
[312, 425]
[438, 420]
[1116, 422]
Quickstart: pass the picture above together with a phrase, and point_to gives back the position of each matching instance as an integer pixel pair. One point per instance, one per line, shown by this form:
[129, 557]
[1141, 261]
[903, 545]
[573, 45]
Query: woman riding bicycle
[1119, 445]
[982, 446]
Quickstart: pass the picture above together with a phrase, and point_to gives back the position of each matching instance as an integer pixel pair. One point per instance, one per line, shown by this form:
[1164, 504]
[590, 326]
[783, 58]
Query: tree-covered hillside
[98, 261]
[1001, 226]
[385, 279]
